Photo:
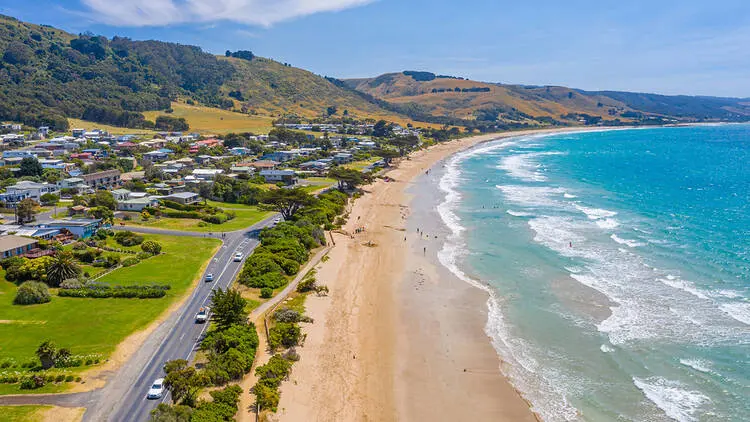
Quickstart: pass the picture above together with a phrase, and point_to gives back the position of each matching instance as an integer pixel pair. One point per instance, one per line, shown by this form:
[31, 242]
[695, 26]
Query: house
[281, 156]
[240, 151]
[208, 143]
[206, 174]
[163, 188]
[154, 143]
[133, 175]
[78, 133]
[81, 228]
[288, 177]
[26, 189]
[106, 179]
[137, 204]
[43, 131]
[28, 231]
[18, 153]
[184, 198]
[12, 245]
[155, 156]
[121, 194]
[56, 164]
[317, 165]
[264, 164]
[242, 170]
[73, 183]
[343, 158]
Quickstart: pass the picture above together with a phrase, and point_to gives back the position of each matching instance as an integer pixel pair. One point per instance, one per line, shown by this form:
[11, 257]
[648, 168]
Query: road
[124, 396]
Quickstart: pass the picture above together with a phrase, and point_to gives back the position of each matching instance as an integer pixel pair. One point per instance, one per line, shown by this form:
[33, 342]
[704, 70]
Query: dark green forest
[47, 75]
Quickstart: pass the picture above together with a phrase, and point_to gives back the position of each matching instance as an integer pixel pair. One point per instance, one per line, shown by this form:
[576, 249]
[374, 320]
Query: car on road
[209, 277]
[157, 389]
[202, 315]
[277, 220]
[238, 257]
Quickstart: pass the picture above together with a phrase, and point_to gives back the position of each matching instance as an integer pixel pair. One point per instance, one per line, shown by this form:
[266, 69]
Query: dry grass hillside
[462, 98]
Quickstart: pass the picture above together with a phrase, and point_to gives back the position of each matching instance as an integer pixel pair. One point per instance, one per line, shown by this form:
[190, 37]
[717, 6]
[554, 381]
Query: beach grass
[97, 326]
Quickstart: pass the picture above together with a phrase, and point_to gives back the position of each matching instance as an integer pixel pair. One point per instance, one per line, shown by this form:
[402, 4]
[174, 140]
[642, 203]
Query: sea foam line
[547, 401]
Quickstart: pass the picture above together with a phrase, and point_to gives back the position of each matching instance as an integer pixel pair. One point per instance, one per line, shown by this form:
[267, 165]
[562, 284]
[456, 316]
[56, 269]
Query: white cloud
[253, 12]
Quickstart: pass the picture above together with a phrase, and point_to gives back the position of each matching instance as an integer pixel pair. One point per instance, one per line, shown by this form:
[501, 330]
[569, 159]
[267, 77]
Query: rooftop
[9, 241]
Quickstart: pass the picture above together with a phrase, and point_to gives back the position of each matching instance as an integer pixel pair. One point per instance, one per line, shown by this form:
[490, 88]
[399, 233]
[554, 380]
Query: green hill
[48, 75]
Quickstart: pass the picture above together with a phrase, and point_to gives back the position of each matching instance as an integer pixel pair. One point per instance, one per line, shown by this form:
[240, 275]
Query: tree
[228, 308]
[387, 155]
[26, 210]
[30, 166]
[405, 143]
[288, 201]
[62, 267]
[49, 199]
[184, 381]
[331, 110]
[347, 178]
[167, 413]
[152, 247]
[32, 293]
[103, 213]
[382, 129]
[103, 198]
[47, 354]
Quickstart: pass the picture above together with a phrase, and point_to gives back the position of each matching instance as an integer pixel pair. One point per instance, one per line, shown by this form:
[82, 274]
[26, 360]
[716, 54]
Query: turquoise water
[619, 264]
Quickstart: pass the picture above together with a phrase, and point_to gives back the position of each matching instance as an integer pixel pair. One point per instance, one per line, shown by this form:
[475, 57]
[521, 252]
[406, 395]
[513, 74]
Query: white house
[288, 177]
[26, 189]
[137, 204]
[206, 174]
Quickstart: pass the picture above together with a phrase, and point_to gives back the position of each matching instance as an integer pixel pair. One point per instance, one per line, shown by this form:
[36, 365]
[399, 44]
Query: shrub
[99, 291]
[127, 238]
[87, 255]
[60, 378]
[284, 334]
[143, 255]
[130, 261]
[31, 293]
[151, 247]
[69, 378]
[72, 283]
[266, 292]
[33, 382]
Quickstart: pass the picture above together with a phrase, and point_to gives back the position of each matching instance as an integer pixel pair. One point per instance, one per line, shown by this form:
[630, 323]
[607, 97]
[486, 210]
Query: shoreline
[385, 345]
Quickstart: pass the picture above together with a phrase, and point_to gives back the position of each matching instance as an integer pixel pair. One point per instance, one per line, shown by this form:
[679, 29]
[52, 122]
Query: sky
[693, 47]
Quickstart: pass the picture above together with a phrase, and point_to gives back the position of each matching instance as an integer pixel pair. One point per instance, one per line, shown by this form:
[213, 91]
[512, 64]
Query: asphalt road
[124, 396]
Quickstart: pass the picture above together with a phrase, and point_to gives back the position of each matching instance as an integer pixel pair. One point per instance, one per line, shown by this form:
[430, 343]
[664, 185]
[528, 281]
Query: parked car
[277, 220]
[209, 277]
[202, 315]
[238, 257]
[157, 389]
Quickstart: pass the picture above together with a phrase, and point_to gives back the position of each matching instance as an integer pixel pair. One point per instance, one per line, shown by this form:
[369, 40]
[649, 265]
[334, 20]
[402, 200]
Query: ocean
[618, 264]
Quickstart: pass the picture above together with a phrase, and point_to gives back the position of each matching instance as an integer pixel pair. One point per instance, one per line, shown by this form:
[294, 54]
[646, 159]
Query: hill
[48, 76]
[447, 97]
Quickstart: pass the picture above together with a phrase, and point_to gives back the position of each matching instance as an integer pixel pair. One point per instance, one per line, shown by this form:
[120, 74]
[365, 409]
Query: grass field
[97, 326]
[215, 121]
[245, 216]
[361, 165]
[83, 124]
[22, 413]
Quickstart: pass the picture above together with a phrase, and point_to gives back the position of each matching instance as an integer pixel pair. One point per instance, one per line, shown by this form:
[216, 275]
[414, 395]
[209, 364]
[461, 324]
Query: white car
[277, 220]
[157, 389]
[202, 315]
[238, 257]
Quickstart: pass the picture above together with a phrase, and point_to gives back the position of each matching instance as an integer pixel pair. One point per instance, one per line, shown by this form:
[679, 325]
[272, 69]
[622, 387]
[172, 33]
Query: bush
[284, 334]
[99, 291]
[69, 378]
[143, 255]
[130, 261]
[33, 382]
[60, 378]
[151, 247]
[87, 255]
[127, 238]
[31, 293]
[266, 292]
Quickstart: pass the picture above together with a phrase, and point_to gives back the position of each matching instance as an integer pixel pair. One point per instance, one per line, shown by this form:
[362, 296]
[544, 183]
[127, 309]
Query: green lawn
[97, 326]
[21, 413]
[360, 165]
[245, 216]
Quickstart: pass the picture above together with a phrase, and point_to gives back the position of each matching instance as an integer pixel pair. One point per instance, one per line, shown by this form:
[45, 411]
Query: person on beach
[424, 252]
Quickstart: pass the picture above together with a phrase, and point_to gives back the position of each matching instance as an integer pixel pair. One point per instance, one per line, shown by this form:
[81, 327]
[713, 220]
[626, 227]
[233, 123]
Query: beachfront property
[137, 204]
[80, 228]
[12, 245]
[184, 198]
[288, 177]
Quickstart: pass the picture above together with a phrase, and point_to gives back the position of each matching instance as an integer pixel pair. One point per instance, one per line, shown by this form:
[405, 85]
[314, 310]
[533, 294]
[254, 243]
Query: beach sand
[399, 337]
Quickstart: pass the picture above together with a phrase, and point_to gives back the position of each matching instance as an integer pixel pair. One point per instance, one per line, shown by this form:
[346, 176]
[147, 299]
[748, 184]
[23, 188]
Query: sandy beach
[399, 337]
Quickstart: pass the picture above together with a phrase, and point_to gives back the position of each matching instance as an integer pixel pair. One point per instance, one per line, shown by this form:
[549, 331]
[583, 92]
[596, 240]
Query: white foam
[606, 349]
[678, 283]
[523, 166]
[729, 294]
[608, 223]
[629, 242]
[532, 196]
[519, 213]
[738, 311]
[697, 364]
[595, 213]
[569, 195]
[673, 398]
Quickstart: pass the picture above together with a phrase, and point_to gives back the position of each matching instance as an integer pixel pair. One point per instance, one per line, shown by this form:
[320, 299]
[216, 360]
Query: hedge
[126, 292]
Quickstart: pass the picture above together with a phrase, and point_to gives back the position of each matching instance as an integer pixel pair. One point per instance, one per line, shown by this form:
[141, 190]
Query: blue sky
[666, 46]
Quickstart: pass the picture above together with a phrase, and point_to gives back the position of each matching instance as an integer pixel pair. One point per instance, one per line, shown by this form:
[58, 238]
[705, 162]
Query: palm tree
[61, 268]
